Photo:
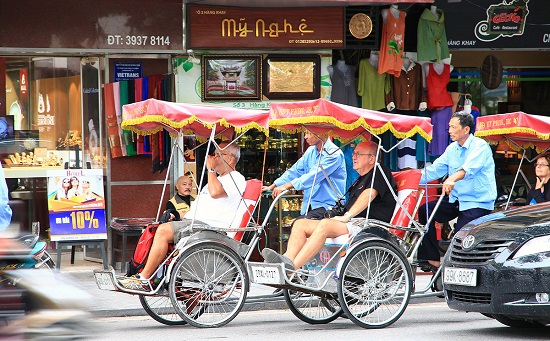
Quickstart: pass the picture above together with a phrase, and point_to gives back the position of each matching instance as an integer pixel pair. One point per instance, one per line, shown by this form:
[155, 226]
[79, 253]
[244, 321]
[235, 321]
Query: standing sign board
[76, 204]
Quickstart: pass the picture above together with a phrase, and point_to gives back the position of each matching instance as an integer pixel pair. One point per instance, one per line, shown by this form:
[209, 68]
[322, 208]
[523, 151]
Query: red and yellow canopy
[152, 115]
[518, 129]
[344, 122]
[319, 116]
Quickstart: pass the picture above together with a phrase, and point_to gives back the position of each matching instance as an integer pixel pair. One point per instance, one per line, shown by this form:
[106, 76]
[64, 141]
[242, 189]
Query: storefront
[54, 64]
[515, 32]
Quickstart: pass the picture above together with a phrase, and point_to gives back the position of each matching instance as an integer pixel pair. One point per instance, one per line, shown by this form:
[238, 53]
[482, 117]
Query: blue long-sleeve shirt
[5, 209]
[302, 174]
[478, 188]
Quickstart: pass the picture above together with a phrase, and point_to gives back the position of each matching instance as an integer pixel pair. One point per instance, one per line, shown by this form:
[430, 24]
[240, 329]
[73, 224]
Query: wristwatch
[348, 215]
[211, 170]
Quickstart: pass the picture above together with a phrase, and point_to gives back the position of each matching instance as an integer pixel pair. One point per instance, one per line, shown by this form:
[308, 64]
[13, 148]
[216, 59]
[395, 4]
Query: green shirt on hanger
[372, 86]
[432, 38]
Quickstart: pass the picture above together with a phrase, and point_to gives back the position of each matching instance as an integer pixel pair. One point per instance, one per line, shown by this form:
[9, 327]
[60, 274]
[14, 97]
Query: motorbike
[37, 303]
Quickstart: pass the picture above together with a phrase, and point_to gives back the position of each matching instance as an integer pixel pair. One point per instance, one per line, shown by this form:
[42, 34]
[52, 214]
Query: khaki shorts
[355, 225]
[182, 228]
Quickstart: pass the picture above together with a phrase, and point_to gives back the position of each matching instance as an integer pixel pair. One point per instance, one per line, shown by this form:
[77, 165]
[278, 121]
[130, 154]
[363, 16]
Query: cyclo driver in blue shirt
[470, 186]
[307, 176]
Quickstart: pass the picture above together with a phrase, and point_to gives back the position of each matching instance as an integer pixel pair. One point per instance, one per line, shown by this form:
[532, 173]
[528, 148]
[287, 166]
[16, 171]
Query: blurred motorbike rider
[5, 209]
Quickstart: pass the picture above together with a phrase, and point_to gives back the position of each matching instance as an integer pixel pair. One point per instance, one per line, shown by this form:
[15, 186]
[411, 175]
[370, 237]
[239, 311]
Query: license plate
[104, 281]
[265, 275]
[458, 276]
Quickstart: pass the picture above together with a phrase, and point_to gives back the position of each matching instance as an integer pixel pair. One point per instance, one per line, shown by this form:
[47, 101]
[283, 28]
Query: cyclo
[205, 280]
[368, 276]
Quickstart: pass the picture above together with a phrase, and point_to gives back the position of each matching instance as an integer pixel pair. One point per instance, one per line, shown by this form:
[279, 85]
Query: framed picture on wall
[231, 77]
[292, 76]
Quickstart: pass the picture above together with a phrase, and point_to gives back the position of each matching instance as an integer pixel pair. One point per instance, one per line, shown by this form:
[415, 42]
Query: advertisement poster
[76, 204]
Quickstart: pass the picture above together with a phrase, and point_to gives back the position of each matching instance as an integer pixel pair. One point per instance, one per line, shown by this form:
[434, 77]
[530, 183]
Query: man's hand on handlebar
[448, 186]
[277, 189]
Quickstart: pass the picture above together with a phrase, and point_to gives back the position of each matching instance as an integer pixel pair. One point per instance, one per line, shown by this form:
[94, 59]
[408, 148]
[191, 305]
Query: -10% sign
[83, 219]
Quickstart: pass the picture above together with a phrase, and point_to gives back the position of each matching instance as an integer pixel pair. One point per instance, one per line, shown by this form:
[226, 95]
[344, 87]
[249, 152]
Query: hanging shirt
[436, 86]
[432, 38]
[478, 188]
[407, 91]
[440, 135]
[343, 84]
[406, 154]
[392, 44]
[372, 86]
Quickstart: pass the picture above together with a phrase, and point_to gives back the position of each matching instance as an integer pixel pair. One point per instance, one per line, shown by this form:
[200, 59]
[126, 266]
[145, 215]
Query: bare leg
[301, 230]
[159, 248]
[327, 228]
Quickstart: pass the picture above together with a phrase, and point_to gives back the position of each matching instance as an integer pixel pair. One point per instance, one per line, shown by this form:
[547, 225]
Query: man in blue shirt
[470, 186]
[306, 175]
[5, 210]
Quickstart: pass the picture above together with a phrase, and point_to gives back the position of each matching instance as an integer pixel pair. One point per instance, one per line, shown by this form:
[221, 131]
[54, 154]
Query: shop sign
[295, 28]
[76, 204]
[497, 24]
[127, 25]
[127, 71]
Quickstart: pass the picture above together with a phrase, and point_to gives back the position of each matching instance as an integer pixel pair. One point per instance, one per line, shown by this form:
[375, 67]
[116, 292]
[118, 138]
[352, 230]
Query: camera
[338, 209]
[212, 151]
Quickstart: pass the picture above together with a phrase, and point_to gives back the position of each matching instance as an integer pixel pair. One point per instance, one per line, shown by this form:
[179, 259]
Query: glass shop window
[52, 113]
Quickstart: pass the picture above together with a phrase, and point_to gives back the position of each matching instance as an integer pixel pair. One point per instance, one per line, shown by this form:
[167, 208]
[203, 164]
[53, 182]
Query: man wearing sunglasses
[215, 207]
[308, 236]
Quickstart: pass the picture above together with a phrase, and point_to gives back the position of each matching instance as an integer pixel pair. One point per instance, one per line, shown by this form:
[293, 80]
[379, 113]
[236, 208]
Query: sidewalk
[116, 304]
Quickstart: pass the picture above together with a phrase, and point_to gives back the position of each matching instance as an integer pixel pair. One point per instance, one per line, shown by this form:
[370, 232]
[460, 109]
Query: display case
[280, 220]
[281, 153]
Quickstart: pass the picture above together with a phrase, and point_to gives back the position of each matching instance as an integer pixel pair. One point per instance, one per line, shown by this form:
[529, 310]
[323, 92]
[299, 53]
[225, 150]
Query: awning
[518, 129]
[152, 115]
[343, 122]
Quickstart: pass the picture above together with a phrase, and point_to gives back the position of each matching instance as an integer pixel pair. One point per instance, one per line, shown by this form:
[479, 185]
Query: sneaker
[134, 282]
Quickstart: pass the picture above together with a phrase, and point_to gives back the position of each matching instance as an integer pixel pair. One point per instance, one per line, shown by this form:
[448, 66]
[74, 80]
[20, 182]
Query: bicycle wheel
[160, 308]
[375, 285]
[312, 308]
[208, 285]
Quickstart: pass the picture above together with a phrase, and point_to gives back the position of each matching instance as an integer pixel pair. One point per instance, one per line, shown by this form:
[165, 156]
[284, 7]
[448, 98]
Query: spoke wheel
[374, 285]
[311, 308]
[208, 285]
[160, 308]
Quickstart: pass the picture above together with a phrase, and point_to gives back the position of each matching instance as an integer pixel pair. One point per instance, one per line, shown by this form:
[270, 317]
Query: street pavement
[106, 303]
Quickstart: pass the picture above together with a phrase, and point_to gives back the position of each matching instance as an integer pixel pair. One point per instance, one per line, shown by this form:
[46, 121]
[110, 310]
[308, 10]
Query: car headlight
[535, 245]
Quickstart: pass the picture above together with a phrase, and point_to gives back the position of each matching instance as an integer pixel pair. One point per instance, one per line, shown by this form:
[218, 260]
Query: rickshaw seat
[251, 195]
[410, 197]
